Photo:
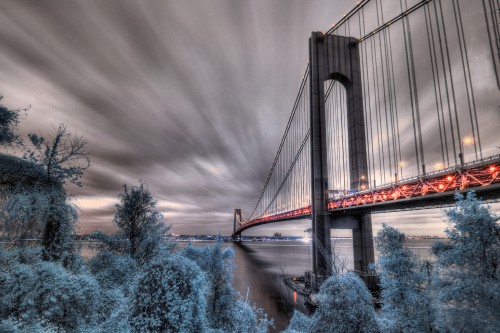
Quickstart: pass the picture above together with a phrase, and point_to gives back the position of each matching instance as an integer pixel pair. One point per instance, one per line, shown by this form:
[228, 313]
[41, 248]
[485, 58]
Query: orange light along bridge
[437, 188]
[388, 92]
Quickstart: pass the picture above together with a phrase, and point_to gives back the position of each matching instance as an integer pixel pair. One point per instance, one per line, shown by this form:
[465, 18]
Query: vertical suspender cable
[451, 75]
[377, 104]
[411, 92]
[466, 78]
[343, 105]
[469, 81]
[362, 52]
[440, 94]
[434, 81]
[384, 93]
[372, 157]
[417, 109]
[445, 83]
[388, 59]
[398, 141]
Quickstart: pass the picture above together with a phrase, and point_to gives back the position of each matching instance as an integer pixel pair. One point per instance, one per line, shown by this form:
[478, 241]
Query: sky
[189, 96]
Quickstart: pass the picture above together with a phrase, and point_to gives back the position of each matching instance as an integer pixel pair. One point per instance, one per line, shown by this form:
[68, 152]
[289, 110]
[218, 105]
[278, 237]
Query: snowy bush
[217, 265]
[404, 280]
[46, 291]
[113, 311]
[112, 269]
[9, 122]
[140, 226]
[170, 297]
[299, 323]
[468, 281]
[13, 325]
[345, 305]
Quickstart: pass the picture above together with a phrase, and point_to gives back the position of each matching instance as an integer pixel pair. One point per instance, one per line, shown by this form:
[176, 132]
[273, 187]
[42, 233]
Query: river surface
[261, 266]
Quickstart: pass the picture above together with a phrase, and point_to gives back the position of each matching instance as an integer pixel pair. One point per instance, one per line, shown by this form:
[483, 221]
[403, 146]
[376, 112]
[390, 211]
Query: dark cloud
[190, 96]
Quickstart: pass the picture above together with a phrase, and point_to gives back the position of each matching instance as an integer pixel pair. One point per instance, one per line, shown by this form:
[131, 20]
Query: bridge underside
[436, 200]
[437, 189]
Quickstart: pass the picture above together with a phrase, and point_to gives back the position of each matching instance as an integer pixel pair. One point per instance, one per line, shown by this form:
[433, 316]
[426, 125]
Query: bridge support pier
[362, 243]
[362, 238]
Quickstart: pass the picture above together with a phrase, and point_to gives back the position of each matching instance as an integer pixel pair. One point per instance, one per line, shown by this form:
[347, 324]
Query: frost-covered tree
[218, 267]
[24, 213]
[35, 203]
[15, 325]
[249, 319]
[64, 156]
[170, 297]
[9, 121]
[345, 305]
[59, 228]
[404, 280]
[468, 268]
[40, 291]
[40, 211]
[141, 226]
[299, 323]
[112, 269]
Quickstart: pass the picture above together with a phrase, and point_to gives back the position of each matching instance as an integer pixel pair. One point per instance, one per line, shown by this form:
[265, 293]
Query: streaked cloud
[190, 96]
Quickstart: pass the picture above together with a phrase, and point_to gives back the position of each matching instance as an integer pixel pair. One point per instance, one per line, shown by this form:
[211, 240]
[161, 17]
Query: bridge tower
[337, 58]
[236, 223]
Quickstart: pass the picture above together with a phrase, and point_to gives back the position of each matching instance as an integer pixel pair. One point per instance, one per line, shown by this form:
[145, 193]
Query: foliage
[40, 211]
[248, 319]
[217, 265]
[9, 121]
[170, 297]
[64, 156]
[43, 291]
[468, 281]
[35, 202]
[14, 325]
[139, 223]
[299, 323]
[404, 280]
[113, 310]
[113, 269]
[345, 305]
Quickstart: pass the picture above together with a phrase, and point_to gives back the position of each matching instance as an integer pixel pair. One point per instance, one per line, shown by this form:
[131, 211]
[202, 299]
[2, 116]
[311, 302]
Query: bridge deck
[434, 189]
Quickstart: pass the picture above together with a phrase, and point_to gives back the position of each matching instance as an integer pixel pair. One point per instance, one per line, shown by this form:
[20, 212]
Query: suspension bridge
[390, 115]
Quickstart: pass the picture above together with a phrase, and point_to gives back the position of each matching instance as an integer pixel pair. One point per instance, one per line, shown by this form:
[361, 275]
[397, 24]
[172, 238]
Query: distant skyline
[190, 96]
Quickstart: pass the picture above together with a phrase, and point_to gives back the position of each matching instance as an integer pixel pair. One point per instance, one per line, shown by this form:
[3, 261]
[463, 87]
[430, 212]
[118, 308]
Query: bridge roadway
[432, 190]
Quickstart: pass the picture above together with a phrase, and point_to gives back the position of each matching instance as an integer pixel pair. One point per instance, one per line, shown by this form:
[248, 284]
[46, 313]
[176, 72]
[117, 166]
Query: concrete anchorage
[337, 58]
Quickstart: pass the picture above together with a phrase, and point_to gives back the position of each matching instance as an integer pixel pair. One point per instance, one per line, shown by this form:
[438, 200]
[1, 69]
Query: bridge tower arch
[335, 57]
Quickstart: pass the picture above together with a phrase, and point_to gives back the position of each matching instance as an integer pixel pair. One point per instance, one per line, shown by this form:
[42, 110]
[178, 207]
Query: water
[260, 267]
